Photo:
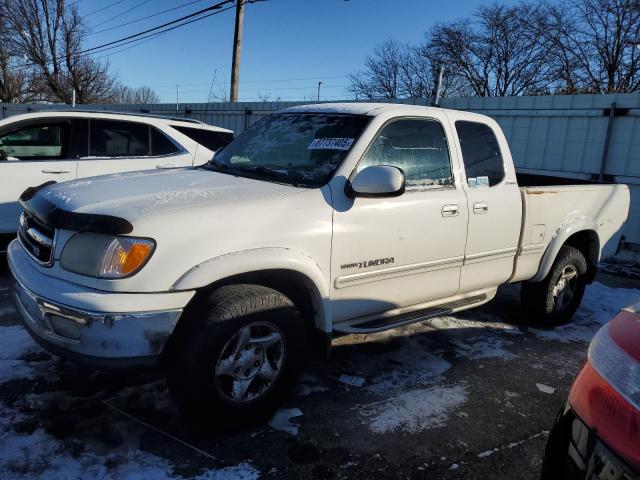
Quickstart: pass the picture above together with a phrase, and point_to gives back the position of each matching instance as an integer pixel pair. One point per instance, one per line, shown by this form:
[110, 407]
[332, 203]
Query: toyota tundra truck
[317, 221]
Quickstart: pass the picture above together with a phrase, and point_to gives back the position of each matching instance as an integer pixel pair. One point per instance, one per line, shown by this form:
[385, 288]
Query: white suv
[65, 145]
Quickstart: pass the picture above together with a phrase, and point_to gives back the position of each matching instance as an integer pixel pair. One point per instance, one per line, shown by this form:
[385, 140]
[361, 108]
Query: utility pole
[177, 96]
[319, 83]
[237, 45]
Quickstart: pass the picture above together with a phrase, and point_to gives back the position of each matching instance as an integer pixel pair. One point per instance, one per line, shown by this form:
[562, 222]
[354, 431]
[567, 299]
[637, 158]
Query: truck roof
[373, 109]
[105, 114]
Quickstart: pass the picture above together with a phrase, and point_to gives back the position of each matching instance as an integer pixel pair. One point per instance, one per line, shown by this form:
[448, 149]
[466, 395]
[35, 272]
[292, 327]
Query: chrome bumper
[97, 339]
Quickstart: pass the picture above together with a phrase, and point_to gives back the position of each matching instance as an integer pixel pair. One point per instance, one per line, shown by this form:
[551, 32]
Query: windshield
[301, 149]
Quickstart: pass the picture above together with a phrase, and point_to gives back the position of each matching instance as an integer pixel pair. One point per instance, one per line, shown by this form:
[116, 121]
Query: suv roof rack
[115, 112]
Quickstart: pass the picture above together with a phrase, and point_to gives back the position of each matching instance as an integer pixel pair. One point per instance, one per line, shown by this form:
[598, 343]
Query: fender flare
[562, 234]
[259, 259]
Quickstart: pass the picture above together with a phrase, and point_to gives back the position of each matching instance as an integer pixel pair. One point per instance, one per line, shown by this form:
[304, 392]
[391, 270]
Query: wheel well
[290, 283]
[295, 286]
[588, 243]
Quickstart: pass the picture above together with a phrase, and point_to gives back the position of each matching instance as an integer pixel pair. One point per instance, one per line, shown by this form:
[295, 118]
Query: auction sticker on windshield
[331, 144]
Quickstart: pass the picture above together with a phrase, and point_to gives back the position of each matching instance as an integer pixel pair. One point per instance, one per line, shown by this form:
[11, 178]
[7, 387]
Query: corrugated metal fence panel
[561, 135]
[566, 134]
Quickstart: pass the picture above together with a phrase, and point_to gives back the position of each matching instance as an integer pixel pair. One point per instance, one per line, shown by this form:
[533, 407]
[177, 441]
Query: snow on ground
[309, 384]
[38, 455]
[414, 410]
[32, 453]
[15, 343]
[415, 366]
[600, 304]
[481, 321]
[405, 390]
[479, 346]
[281, 420]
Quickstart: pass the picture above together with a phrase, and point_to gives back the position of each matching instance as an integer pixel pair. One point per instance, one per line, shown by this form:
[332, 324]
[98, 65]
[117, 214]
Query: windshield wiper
[270, 172]
[215, 165]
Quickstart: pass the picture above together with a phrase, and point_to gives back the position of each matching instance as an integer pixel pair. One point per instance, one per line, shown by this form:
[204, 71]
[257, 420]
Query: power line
[139, 34]
[156, 34]
[145, 18]
[264, 89]
[321, 77]
[130, 47]
[103, 8]
[133, 38]
[123, 13]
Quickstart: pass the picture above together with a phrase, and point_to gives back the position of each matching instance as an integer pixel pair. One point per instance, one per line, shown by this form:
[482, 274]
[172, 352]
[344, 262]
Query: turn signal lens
[125, 256]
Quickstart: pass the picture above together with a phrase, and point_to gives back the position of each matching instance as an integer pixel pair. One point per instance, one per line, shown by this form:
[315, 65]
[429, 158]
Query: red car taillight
[606, 392]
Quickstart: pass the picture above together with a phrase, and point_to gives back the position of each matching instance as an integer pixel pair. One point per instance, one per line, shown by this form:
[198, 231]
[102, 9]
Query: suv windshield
[297, 148]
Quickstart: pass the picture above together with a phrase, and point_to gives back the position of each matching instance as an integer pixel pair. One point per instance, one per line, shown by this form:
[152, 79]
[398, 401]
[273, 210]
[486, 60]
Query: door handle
[167, 165]
[56, 170]
[480, 207]
[450, 210]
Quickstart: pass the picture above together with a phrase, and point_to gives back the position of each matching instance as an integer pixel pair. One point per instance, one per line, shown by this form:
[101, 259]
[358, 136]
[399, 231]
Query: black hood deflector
[54, 217]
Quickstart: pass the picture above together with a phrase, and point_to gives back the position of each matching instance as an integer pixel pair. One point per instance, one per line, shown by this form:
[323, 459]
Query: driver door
[397, 252]
[30, 155]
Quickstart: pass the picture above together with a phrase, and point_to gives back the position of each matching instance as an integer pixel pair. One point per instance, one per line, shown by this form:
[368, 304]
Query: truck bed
[551, 204]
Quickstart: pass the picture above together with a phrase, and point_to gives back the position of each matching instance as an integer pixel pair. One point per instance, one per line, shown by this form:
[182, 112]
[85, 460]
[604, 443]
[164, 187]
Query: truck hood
[138, 194]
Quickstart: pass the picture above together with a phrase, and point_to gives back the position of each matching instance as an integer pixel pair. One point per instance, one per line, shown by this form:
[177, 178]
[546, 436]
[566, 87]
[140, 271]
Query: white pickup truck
[318, 220]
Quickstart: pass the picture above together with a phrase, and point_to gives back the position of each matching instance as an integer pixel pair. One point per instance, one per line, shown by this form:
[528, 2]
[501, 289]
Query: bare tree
[501, 52]
[598, 45]
[49, 34]
[12, 78]
[381, 77]
[134, 96]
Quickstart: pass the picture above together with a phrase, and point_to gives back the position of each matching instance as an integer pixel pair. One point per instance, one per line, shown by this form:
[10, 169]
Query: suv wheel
[236, 356]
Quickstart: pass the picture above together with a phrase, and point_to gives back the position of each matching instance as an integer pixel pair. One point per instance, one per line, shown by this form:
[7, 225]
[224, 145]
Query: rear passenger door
[494, 205]
[31, 154]
[120, 146]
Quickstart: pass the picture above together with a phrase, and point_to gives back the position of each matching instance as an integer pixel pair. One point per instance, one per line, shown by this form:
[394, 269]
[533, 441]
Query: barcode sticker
[331, 144]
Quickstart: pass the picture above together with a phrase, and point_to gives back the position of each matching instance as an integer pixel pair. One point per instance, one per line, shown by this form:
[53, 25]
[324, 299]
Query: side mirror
[377, 181]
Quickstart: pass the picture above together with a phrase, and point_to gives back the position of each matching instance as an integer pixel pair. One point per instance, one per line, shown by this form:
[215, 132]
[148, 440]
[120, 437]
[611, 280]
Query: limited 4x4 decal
[367, 263]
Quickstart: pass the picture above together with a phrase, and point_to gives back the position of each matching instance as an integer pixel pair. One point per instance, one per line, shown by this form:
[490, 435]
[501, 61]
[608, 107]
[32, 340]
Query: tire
[236, 357]
[549, 303]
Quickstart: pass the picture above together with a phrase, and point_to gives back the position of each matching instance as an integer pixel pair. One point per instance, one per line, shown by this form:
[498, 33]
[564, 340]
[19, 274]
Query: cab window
[481, 154]
[35, 142]
[418, 146]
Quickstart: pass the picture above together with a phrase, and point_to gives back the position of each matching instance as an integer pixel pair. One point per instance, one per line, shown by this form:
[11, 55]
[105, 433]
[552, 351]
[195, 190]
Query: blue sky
[289, 45]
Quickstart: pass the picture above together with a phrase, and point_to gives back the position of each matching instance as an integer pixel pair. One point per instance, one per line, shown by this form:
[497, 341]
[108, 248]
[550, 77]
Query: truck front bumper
[90, 336]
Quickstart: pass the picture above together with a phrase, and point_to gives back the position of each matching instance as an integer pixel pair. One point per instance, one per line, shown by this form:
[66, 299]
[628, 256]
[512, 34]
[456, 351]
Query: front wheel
[554, 300]
[237, 356]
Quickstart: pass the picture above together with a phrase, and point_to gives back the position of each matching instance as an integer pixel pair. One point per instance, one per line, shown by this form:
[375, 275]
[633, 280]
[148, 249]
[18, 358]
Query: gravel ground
[456, 397]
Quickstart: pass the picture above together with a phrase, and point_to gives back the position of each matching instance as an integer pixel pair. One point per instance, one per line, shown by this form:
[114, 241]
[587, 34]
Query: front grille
[36, 239]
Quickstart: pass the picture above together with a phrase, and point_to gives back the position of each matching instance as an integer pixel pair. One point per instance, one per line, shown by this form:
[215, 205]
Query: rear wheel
[554, 300]
[237, 356]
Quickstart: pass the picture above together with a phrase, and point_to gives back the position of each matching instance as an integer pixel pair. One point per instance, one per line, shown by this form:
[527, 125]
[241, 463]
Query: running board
[382, 322]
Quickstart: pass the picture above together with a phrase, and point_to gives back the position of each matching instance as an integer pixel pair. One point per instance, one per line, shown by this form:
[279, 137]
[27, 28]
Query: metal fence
[557, 135]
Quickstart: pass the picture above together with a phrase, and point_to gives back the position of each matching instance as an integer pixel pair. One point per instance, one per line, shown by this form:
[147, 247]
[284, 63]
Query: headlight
[106, 256]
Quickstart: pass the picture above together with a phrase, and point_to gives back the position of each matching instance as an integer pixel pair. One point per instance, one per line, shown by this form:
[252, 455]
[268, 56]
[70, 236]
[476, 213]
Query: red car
[597, 432]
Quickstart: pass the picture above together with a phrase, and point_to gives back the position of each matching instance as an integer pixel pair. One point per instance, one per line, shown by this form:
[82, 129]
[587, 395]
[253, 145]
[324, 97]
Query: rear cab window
[483, 161]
